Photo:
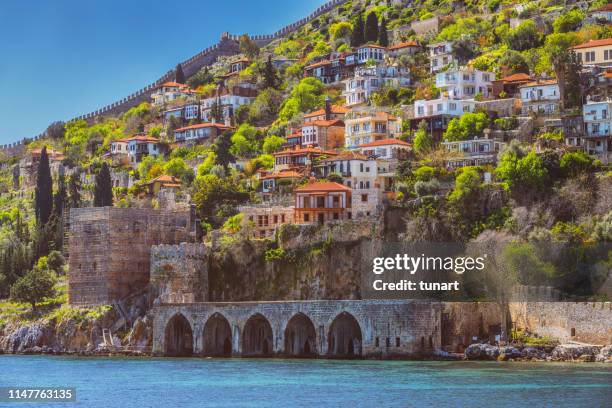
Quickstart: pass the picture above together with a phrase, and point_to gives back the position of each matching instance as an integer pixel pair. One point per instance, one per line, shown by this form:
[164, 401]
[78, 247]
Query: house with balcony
[509, 85]
[366, 53]
[464, 83]
[278, 182]
[140, 146]
[437, 113]
[330, 69]
[362, 127]
[320, 202]
[299, 159]
[597, 118]
[187, 112]
[235, 67]
[227, 101]
[169, 92]
[326, 134]
[603, 14]
[441, 56]
[367, 80]
[201, 133]
[474, 152]
[540, 97]
[403, 48]
[360, 173]
[595, 52]
[387, 149]
[329, 112]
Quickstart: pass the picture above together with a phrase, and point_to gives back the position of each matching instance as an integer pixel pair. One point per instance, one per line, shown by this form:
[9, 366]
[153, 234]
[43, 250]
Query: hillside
[472, 148]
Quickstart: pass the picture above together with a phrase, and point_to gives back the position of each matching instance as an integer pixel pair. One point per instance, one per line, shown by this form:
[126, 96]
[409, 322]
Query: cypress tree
[358, 32]
[269, 75]
[74, 195]
[371, 28]
[179, 76]
[43, 199]
[221, 147]
[383, 38]
[103, 191]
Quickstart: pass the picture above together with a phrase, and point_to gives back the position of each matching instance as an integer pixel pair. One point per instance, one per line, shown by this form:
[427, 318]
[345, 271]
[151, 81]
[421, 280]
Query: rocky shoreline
[561, 353]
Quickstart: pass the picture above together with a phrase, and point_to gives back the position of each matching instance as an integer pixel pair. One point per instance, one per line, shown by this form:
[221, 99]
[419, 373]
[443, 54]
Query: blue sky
[63, 58]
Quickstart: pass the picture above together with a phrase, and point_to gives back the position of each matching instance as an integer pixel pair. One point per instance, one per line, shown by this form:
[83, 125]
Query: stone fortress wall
[227, 46]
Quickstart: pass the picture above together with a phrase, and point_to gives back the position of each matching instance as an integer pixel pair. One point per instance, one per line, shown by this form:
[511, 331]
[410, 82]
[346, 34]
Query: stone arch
[345, 338]
[178, 337]
[257, 338]
[217, 336]
[300, 337]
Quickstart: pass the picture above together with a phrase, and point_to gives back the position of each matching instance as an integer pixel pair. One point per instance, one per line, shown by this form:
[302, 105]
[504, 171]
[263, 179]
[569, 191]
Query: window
[397, 342]
[306, 217]
[336, 216]
[364, 198]
[388, 342]
[377, 342]
[276, 219]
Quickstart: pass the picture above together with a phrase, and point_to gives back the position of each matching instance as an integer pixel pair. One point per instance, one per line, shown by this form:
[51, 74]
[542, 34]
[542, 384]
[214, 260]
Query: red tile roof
[373, 46]
[166, 180]
[172, 83]
[385, 142]
[517, 77]
[347, 155]
[318, 64]
[305, 150]
[594, 43]
[335, 109]
[607, 7]
[204, 125]
[282, 174]
[540, 82]
[404, 44]
[322, 186]
[141, 138]
[325, 123]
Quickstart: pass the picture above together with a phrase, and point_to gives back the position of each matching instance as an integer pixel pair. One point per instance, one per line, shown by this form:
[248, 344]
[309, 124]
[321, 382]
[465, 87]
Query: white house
[359, 173]
[170, 91]
[443, 106]
[362, 127]
[388, 149]
[474, 152]
[541, 96]
[203, 132]
[365, 53]
[597, 118]
[465, 83]
[140, 146]
[188, 112]
[228, 100]
[404, 48]
[440, 56]
[365, 81]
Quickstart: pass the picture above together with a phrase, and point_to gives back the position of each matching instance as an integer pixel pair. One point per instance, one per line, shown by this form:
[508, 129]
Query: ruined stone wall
[109, 249]
[386, 328]
[179, 273]
[464, 323]
[589, 322]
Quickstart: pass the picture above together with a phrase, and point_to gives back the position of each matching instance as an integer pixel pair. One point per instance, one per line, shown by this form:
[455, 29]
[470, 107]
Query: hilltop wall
[227, 46]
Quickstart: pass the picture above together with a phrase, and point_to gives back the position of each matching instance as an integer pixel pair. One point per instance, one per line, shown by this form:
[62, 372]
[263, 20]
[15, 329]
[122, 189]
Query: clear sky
[63, 58]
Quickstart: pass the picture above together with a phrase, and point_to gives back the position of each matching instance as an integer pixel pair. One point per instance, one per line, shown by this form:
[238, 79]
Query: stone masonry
[339, 328]
[109, 249]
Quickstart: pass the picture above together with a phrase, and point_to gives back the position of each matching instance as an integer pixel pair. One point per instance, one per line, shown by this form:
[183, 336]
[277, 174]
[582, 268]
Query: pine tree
[179, 76]
[357, 37]
[371, 28]
[103, 191]
[43, 201]
[383, 38]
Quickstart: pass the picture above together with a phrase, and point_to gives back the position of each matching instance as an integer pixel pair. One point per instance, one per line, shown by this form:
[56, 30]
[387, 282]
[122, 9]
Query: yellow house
[595, 52]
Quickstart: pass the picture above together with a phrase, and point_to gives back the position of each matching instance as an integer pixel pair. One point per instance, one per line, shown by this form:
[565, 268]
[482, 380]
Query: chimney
[328, 108]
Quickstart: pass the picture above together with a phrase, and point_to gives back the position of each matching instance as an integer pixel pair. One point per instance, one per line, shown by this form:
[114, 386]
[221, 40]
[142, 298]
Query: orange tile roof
[385, 142]
[347, 155]
[325, 123]
[165, 179]
[335, 109]
[517, 77]
[141, 138]
[539, 83]
[318, 64]
[373, 46]
[204, 125]
[305, 150]
[172, 83]
[607, 74]
[594, 43]
[607, 7]
[322, 186]
[282, 174]
[404, 44]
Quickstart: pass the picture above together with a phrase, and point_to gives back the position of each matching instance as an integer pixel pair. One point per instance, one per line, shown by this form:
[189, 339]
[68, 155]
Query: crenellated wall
[227, 46]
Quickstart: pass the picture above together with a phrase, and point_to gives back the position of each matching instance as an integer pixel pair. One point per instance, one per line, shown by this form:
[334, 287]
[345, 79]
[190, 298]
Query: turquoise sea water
[135, 382]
